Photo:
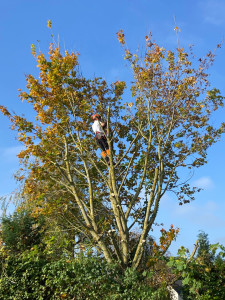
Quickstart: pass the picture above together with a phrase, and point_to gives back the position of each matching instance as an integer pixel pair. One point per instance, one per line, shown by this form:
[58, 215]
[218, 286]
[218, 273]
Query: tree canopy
[163, 128]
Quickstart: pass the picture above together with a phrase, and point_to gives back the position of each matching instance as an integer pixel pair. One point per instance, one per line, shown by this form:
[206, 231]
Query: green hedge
[34, 277]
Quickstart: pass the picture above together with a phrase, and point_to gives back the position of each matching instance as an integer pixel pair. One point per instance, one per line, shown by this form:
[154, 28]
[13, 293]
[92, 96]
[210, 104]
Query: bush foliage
[31, 276]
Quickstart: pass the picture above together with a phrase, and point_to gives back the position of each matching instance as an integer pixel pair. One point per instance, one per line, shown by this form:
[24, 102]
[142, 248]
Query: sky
[89, 27]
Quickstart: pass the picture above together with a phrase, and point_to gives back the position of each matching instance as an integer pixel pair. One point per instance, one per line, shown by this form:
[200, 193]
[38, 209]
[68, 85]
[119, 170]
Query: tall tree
[163, 128]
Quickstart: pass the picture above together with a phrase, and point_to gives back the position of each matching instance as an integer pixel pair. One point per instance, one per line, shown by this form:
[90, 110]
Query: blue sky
[90, 27]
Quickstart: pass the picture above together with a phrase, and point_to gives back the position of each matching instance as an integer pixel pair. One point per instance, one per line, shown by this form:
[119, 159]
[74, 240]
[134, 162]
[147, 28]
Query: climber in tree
[98, 128]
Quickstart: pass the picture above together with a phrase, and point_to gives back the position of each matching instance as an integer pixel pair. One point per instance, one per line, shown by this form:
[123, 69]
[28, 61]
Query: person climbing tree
[98, 128]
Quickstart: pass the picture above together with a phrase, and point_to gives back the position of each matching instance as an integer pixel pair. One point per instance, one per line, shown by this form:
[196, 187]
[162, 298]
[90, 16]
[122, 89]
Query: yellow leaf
[33, 49]
[49, 24]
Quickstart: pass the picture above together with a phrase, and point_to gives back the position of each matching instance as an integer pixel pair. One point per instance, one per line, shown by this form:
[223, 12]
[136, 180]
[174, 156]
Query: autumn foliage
[164, 127]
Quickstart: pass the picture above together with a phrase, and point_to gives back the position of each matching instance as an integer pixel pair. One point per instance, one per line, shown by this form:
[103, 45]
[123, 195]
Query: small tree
[164, 128]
